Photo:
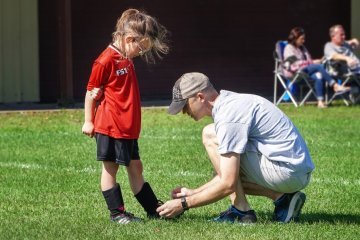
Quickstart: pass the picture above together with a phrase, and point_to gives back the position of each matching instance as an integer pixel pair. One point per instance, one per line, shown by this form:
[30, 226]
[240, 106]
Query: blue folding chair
[290, 85]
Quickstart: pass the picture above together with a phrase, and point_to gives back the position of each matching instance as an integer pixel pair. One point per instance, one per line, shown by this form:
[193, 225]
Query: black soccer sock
[114, 200]
[146, 197]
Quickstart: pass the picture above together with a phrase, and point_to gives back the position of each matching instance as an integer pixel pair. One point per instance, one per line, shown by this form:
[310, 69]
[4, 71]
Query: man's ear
[201, 96]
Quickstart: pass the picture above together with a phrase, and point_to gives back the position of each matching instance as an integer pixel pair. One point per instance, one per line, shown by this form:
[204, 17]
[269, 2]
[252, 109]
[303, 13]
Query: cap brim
[176, 107]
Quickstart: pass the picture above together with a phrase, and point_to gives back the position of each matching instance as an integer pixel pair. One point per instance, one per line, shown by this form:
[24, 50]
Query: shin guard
[114, 200]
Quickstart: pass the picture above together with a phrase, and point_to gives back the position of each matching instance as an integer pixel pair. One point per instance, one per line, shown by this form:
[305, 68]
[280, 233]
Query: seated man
[339, 49]
[255, 150]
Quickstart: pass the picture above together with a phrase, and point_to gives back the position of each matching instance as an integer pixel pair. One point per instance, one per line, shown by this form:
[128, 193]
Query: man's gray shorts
[255, 168]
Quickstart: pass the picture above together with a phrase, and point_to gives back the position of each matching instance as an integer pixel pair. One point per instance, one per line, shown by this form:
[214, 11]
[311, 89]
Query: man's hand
[352, 63]
[170, 209]
[354, 43]
[181, 192]
[96, 93]
[88, 129]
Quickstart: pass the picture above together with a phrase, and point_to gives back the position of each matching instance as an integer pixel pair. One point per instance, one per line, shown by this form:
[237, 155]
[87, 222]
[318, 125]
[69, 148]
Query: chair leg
[327, 93]
[306, 97]
[308, 94]
[275, 88]
[346, 81]
[287, 90]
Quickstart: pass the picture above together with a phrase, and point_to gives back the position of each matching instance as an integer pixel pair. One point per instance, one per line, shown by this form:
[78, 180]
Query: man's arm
[351, 62]
[218, 188]
[330, 53]
[223, 186]
[186, 192]
[340, 57]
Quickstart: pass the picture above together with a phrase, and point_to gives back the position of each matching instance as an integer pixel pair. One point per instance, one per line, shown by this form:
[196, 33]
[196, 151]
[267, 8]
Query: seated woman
[296, 49]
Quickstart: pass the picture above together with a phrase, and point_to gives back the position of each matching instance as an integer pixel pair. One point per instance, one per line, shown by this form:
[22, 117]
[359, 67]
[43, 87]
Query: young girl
[116, 124]
[305, 63]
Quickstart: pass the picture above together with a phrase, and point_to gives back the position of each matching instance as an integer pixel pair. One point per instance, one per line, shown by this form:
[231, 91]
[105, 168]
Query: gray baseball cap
[186, 87]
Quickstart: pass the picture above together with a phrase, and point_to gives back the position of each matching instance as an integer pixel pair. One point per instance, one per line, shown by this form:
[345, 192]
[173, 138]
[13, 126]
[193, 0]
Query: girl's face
[134, 47]
[300, 41]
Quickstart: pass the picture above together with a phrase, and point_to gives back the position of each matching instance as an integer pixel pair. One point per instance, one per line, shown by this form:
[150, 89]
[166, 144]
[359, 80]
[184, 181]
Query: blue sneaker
[233, 215]
[288, 207]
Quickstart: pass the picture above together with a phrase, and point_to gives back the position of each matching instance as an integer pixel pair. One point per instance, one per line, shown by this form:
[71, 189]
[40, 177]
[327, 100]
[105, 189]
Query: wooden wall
[19, 62]
[231, 41]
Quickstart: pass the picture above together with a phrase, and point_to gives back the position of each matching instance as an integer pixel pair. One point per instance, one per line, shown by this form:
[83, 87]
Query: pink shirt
[303, 59]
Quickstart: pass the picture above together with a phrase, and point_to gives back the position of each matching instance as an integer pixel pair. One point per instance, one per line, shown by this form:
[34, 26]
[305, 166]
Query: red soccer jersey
[119, 112]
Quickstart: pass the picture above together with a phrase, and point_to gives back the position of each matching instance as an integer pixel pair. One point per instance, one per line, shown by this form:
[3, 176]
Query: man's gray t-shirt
[330, 49]
[246, 122]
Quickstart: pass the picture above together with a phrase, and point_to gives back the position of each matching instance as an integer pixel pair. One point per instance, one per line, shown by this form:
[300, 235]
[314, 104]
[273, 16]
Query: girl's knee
[110, 168]
[135, 167]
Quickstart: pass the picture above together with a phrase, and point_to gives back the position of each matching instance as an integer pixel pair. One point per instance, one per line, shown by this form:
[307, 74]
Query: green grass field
[49, 179]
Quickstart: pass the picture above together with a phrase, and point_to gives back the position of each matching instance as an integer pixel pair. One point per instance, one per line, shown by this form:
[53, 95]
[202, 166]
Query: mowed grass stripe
[90, 170]
[49, 179]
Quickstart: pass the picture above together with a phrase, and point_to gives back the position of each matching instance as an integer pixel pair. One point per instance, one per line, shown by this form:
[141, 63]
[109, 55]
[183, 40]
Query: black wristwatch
[184, 204]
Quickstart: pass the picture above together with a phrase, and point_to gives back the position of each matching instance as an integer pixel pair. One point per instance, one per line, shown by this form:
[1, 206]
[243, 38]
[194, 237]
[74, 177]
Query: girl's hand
[88, 129]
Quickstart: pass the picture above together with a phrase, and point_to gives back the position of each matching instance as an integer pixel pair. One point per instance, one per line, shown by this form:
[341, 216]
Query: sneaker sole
[295, 206]
[123, 221]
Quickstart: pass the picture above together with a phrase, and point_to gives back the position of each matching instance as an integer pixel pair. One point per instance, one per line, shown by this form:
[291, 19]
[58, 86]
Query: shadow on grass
[305, 218]
[312, 218]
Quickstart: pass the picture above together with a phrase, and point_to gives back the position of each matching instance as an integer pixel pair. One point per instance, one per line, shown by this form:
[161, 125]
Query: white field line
[41, 167]
[339, 181]
[73, 170]
[170, 137]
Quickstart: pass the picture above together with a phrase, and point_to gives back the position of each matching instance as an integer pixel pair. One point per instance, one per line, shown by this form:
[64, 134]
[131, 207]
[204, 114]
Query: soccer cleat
[155, 215]
[125, 218]
[233, 215]
[288, 207]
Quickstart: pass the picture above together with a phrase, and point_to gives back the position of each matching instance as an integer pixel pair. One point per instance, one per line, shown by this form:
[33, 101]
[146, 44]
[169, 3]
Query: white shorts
[255, 168]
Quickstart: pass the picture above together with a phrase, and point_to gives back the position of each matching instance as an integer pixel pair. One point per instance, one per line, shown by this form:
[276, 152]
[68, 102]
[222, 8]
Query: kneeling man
[255, 150]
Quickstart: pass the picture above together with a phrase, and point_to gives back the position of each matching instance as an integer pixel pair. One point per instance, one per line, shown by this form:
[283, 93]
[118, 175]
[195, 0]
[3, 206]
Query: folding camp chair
[340, 71]
[288, 84]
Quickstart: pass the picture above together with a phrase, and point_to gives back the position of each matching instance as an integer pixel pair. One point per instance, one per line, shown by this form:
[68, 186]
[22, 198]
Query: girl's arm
[89, 111]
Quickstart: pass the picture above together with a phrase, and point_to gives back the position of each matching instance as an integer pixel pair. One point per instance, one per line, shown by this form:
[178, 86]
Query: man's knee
[209, 135]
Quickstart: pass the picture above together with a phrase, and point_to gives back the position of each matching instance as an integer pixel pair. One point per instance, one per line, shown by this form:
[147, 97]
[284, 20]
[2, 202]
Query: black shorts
[121, 151]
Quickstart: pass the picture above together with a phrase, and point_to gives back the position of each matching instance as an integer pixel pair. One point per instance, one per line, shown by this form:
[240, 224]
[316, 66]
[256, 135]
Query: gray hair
[333, 29]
